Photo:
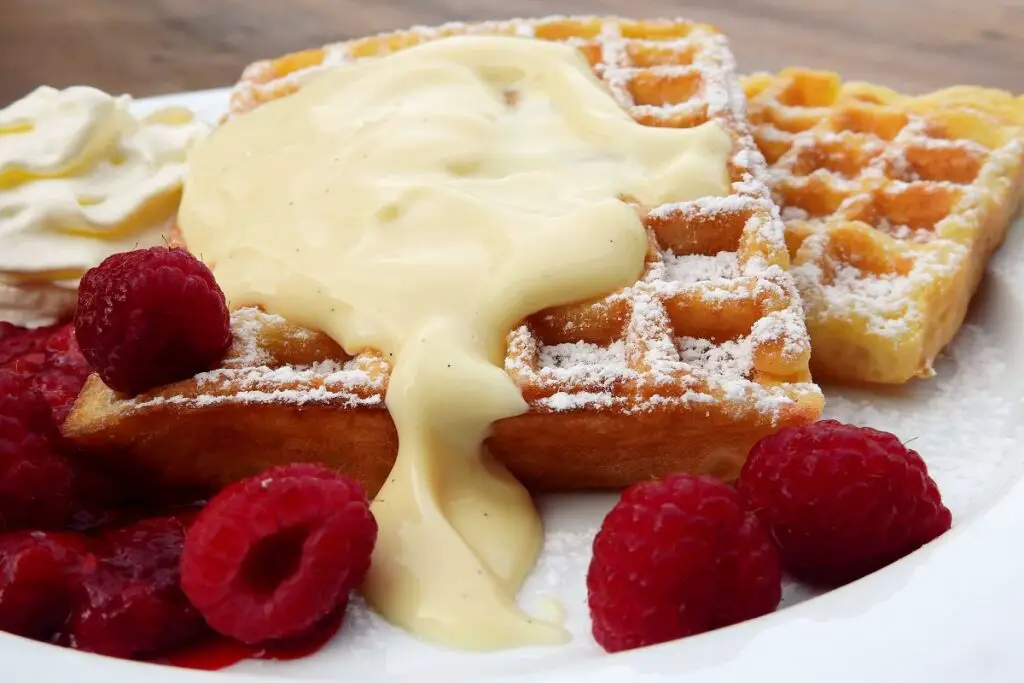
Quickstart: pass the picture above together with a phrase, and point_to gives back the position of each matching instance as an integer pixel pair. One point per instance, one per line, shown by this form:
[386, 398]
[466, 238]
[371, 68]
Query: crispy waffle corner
[683, 370]
[893, 205]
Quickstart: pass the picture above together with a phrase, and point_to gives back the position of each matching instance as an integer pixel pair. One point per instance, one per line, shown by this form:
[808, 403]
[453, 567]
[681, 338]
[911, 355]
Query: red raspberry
[149, 317]
[841, 501]
[66, 371]
[677, 557]
[271, 555]
[51, 357]
[36, 479]
[132, 603]
[38, 576]
[16, 342]
[61, 341]
[43, 485]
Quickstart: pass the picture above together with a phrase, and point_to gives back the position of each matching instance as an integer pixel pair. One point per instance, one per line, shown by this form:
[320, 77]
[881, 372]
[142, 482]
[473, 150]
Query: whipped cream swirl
[82, 178]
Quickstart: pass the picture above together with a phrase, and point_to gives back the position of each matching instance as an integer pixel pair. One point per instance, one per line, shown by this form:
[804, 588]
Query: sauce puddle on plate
[216, 653]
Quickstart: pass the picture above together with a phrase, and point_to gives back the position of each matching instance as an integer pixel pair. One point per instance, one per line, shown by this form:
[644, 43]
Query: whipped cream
[81, 178]
[35, 304]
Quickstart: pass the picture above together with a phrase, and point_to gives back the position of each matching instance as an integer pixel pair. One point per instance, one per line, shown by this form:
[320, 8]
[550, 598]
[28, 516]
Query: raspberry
[132, 603]
[36, 479]
[51, 357]
[38, 574]
[271, 555]
[16, 342]
[66, 370]
[150, 317]
[677, 557]
[841, 501]
[42, 484]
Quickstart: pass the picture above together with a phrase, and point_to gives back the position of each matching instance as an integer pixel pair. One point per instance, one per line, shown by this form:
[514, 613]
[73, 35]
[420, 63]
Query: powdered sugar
[247, 375]
[586, 376]
[794, 213]
[712, 206]
[246, 325]
[885, 185]
[784, 327]
[590, 370]
[727, 362]
[887, 303]
[572, 356]
[905, 232]
[697, 267]
[881, 298]
[582, 362]
[579, 400]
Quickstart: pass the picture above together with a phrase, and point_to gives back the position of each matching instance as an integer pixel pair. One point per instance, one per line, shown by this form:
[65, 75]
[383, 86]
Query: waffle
[683, 370]
[893, 205]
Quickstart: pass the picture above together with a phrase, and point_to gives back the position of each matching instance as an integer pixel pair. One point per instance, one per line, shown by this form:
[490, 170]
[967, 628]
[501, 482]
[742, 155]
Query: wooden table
[147, 47]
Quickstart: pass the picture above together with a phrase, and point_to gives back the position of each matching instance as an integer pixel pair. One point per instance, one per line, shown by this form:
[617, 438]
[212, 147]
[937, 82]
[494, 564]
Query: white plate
[949, 613]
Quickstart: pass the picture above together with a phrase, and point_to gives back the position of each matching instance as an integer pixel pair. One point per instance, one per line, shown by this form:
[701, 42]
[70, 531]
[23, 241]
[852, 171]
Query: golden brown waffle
[892, 204]
[682, 371]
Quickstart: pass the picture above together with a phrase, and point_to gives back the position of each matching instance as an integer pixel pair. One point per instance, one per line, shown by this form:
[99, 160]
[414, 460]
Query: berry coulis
[217, 652]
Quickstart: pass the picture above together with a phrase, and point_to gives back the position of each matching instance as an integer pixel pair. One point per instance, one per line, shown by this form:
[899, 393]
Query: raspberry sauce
[218, 653]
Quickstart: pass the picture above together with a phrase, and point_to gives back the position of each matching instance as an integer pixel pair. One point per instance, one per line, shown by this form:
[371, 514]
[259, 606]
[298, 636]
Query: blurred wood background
[147, 47]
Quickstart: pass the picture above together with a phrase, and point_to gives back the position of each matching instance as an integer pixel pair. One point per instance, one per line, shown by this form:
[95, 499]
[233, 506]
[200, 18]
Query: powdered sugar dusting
[697, 267]
[567, 362]
[246, 325]
[905, 232]
[727, 362]
[711, 206]
[923, 195]
[887, 303]
[579, 400]
[883, 299]
[794, 213]
[248, 374]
